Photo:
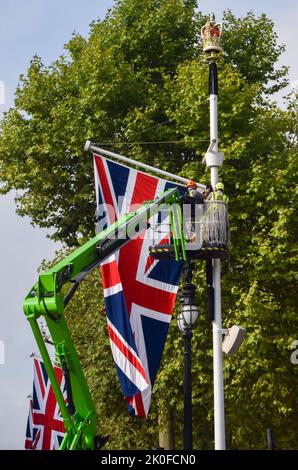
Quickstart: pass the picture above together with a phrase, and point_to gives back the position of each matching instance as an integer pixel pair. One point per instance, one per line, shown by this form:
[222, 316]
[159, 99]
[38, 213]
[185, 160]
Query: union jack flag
[45, 428]
[29, 428]
[139, 291]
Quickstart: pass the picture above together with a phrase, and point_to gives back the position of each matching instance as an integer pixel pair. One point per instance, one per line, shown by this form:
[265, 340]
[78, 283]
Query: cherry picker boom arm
[46, 299]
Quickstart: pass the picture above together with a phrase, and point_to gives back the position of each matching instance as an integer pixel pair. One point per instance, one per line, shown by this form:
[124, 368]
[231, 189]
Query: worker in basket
[194, 198]
[216, 222]
[218, 193]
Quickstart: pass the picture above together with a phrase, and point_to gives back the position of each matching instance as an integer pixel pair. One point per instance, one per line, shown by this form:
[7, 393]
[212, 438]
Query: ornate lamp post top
[211, 36]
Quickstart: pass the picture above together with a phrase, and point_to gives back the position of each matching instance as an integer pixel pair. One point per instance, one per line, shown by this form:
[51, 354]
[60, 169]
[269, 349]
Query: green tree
[138, 77]
[108, 88]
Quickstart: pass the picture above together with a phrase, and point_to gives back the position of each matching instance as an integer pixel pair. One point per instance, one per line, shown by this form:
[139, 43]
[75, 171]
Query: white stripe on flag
[139, 310]
[137, 328]
[123, 362]
[131, 181]
[104, 161]
[112, 290]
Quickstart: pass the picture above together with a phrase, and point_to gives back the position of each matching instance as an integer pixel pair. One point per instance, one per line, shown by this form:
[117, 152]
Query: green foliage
[140, 77]
[107, 88]
[257, 50]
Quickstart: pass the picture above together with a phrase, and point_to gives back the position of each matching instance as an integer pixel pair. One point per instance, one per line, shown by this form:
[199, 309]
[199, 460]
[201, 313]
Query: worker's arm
[197, 196]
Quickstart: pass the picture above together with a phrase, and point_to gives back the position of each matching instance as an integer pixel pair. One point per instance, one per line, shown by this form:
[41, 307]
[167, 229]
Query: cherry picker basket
[205, 234]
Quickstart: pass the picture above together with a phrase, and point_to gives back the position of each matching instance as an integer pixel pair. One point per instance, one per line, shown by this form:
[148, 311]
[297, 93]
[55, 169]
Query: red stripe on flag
[59, 374]
[40, 376]
[149, 263]
[135, 291]
[140, 406]
[28, 444]
[144, 190]
[110, 275]
[127, 353]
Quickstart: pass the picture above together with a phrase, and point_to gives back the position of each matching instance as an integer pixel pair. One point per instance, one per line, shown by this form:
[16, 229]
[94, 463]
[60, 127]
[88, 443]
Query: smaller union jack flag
[29, 429]
[45, 428]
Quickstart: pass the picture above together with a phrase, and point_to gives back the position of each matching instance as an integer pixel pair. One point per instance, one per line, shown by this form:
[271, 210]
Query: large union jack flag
[139, 291]
[45, 428]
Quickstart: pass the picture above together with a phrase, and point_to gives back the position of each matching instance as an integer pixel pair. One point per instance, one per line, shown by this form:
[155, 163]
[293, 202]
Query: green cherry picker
[46, 298]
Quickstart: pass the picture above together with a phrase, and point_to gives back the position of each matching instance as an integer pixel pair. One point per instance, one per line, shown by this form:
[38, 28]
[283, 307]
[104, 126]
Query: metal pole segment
[219, 413]
[187, 392]
[210, 289]
[92, 148]
[213, 122]
[270, 439]
[213, 82]
[219, 406]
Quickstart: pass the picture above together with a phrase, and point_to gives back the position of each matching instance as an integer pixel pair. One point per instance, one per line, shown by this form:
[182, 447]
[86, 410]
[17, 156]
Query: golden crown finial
[211, 36]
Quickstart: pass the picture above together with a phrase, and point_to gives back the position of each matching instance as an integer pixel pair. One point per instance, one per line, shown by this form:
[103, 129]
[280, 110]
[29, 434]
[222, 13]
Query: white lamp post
[211, 34]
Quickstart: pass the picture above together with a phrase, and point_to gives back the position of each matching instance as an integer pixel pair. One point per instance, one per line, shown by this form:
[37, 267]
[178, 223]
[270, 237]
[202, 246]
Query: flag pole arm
[89, 147]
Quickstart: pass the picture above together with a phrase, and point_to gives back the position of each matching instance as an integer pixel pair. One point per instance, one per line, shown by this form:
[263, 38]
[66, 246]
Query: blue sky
[42, 27]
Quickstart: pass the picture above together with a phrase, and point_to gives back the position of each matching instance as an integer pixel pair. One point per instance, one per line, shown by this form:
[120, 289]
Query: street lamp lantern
[189, 309]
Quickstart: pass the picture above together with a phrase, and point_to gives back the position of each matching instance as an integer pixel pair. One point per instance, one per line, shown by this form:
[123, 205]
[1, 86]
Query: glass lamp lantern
[189, 309]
